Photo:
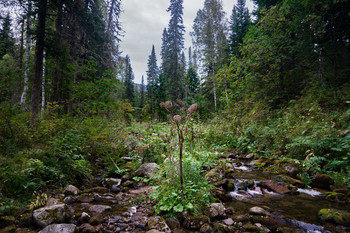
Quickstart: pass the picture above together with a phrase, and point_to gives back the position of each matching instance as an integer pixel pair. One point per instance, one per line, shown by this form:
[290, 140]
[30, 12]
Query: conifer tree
[142, 93]
[6, 41]
[239, 23]
[129, 81]
[174, 41]
[152, 78]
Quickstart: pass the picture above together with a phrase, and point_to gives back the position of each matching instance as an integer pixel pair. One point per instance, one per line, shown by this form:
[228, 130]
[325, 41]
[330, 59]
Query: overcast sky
[143, 22]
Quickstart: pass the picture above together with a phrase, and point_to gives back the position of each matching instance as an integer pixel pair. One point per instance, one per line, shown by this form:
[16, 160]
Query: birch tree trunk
[26, 65]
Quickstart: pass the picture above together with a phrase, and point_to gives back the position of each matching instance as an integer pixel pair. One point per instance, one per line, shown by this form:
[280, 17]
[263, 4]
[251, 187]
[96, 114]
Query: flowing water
[300, 210]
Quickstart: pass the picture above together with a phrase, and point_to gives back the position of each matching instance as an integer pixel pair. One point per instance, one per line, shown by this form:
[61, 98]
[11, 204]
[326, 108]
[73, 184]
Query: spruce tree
[152, 78]
[129, 81]
[142, 93]
[240, 21]
[6, 41]
[175, 43]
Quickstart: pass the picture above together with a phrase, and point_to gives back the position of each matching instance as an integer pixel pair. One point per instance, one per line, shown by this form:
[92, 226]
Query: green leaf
[179, 208]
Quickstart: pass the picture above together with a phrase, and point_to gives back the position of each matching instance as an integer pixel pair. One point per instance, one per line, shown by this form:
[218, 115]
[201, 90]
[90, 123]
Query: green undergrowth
[56, 151]
[313, 130]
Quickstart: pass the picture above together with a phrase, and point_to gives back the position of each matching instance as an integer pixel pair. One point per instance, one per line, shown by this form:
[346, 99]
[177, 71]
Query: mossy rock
[215, 175]
[251, 228]
[336, 216]
[195, 222]
[219, 227]
[96, 190]
[290, 180]
[259, 165]
[337, 197]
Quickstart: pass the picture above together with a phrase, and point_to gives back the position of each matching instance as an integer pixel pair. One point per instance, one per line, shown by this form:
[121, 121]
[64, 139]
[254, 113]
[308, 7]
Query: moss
[332, 215]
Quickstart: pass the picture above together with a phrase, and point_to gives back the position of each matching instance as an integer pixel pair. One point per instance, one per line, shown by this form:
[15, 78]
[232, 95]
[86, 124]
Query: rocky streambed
[252, 196]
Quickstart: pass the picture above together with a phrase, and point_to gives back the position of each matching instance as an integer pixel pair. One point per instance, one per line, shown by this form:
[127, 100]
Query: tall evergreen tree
[152, 75]
[142, 93]
[129, 81]
[6, 40]
[175, 44]
[240, 21]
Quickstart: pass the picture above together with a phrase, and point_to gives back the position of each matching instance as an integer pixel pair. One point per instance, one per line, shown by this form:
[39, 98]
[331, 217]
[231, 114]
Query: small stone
[140, 225]
[195, 222]
[258, 211]
[99, 209]
[173, 223]
[69, 200]
[206, 228]
[249, 156]
[115, 188]
[228, 222]
[109, 182]
[71, 190]
[229, 211]
[97, 197]
[84, 218]
[87, 228]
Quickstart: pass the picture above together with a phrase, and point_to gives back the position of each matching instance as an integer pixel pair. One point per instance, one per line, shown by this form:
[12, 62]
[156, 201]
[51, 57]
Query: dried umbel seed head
[193, 108]
[179, 102]
[162, 104]
[168, 104]
[177, 118]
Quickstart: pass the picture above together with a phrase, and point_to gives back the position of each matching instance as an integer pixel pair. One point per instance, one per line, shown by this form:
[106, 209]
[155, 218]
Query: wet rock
[195, 222]
[96, 190]
[291, 171]
[84, 218]
[109, 182]
[337, 197]
[222, 195]
[206, 228]
[8, 229]
[71, 190]
[140, 225]
[229, 185]
[53, 201]
[145, 170]
[251, 228]
[97, 197]
[333, 215]
[242, 218]
[7, 221]
[115, 188]
[216, 210]
[228, 222]
[322, 181]
[245, 185]
[69, 200]
[61, 228]
[259, 164]
[86, 198]
[258, 211]
[52, 214]
[249, 156]
[290, 230]
[173, 223]
[158, 223]
[278, 187]
[215, 175]
[99, 209]
[87, 228]
[229, 211]
[290, 180]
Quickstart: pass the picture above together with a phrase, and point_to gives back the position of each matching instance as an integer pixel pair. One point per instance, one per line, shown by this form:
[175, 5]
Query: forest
[246, 130]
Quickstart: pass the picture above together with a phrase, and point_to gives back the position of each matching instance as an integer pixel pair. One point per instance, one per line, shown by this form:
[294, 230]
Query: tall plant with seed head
[179, 127]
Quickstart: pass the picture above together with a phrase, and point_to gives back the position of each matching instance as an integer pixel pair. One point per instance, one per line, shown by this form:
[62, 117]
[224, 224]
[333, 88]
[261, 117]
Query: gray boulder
[71, 190]
[216, 210]
[52, 214]
[146, 170]
[61, 228]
